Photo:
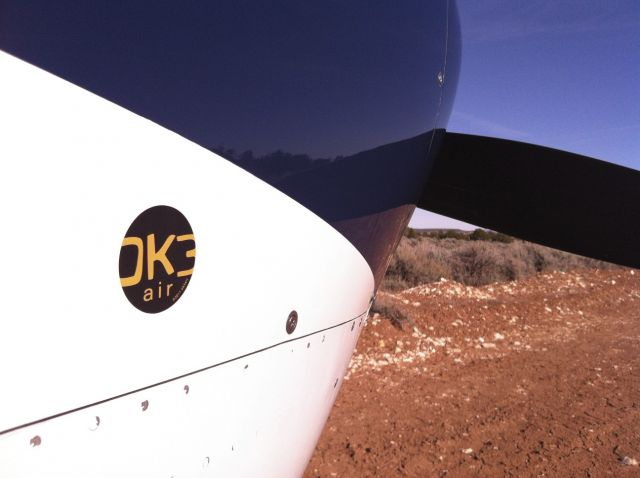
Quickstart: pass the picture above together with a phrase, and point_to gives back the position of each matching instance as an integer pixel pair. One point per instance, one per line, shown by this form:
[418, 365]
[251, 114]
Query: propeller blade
[555, 198]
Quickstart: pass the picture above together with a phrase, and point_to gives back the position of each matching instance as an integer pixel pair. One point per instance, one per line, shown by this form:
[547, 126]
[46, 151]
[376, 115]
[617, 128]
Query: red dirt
[539, 377]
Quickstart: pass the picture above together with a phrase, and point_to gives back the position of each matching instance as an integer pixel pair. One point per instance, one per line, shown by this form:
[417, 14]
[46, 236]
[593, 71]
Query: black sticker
[157, 257]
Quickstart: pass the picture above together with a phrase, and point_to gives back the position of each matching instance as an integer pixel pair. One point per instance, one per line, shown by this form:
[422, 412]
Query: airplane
[200, 200]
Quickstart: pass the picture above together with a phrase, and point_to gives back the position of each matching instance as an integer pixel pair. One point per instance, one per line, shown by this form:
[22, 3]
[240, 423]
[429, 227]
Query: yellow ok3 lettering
[155, 255]
[189, 253]
[160, 255]
[137, 275]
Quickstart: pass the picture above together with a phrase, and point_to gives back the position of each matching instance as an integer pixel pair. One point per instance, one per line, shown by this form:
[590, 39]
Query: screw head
[96, 423]
[292, 322]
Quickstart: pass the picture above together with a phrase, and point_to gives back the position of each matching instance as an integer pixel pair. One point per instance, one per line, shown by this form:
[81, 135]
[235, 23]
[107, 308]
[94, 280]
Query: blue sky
[563, 74]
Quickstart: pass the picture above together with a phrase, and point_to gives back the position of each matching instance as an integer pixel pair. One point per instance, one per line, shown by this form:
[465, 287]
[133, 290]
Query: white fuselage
[214, 385]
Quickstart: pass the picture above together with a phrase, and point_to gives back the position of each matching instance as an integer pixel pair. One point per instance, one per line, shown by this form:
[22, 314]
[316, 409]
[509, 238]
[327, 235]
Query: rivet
[246, 366]
[35, 441]
[145, 405]
[186, 389]
[353, 324]
[308, 344]
[323, 337]
[292, 322]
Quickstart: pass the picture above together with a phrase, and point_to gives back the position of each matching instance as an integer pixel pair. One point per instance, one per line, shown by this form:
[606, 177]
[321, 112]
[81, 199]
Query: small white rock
[469, 451]
[629, 461]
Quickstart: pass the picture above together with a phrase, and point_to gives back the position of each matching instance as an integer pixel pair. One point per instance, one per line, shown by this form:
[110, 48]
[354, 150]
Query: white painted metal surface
[76, 171]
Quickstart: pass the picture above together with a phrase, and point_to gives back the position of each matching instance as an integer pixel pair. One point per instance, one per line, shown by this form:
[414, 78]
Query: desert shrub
[491, 236]
[478, 264]
[390, 310]
[416, 262]
[447, 234]
[477, 235]
[475, 262]
[411, 233]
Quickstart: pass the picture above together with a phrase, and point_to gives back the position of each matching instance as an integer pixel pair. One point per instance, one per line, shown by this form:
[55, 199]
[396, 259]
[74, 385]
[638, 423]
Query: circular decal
[157, 257]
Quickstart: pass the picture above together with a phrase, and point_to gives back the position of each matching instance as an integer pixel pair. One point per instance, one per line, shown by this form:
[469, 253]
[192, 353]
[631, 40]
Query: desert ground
[536, 377]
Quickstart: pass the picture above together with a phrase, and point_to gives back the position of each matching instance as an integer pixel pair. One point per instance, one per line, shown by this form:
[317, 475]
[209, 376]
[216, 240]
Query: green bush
[484, 235]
